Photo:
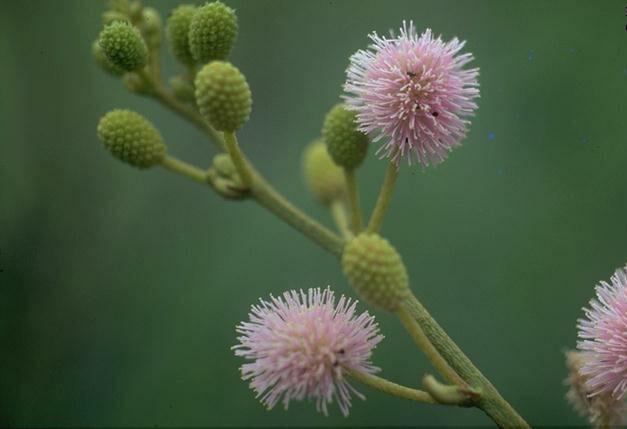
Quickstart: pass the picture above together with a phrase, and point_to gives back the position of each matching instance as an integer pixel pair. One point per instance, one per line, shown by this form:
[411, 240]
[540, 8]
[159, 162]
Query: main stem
[490, 401]
[353, 198]
[383, 201]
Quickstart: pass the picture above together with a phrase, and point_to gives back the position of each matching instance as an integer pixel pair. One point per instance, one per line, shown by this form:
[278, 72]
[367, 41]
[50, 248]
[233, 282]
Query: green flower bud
[151, 25]
[226, 181]
[375, 270]
[123, 46]
[131, 138]
[347, 146]
[324, 179]
[111, 16]
[178, 31]
[103, 62]
[212, 32]
[223, 96]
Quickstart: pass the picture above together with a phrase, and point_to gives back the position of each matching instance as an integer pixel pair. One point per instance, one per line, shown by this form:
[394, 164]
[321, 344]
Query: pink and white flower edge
[301, 344]
[413, 91]
[603, 338]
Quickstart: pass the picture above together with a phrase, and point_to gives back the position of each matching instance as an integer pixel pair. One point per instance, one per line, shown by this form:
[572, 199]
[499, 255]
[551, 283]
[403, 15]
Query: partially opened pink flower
[300, 345]
[413, 91]
[603, 338]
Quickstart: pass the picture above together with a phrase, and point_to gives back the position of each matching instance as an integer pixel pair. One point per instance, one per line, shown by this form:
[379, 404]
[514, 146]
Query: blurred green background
[120, 289]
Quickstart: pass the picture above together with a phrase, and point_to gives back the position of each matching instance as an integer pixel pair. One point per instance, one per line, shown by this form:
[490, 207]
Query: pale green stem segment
[490, 401]
[391, 388]
[185, 169]
[238, 159]
[338, 212]
[383, 201]
[353, 199]
[423, 343]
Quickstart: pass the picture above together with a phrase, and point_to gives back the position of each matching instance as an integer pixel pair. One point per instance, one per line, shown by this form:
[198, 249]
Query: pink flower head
[301, 344]
[603, 338]
[413, 91]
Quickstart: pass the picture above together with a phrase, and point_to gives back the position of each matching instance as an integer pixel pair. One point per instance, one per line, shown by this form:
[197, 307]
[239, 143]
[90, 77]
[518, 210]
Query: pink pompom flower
[603, 338]
[413, 91]
[300, 346]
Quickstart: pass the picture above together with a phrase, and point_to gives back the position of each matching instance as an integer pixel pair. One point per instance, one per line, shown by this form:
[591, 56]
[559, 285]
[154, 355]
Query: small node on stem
[450, 394]
[131, 138]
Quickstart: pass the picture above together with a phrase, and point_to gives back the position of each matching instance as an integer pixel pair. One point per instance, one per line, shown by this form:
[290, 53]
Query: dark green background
[120, 289]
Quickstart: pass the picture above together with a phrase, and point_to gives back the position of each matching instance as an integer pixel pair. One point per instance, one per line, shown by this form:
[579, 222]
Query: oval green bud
[347, 145]
[223, 96]
[123, 46]
[103, 62]
[324, 179]
[131, 138]
[178, 31]
[376, 271]
[212, 32]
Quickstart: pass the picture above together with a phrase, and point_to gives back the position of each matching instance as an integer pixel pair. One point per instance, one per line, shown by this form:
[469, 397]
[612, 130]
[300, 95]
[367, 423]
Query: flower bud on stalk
[124, 46]
[212, 32]
[324, 179]
[178, 31]
[347, 146]
[131, 138]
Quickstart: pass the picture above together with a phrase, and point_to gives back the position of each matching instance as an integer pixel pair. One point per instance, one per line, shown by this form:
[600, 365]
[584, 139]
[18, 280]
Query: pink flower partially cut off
[300, 345]
[603, 338]
[413, 91]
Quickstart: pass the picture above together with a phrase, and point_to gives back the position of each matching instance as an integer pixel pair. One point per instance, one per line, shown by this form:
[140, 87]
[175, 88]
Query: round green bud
[131, 138]
[123, 46]
[103, 62]
[223, 96]
[347, 145]
[151, 25]
[375, 270]
[324, 179]
[212, 32]
[178, 30]
[111, 16]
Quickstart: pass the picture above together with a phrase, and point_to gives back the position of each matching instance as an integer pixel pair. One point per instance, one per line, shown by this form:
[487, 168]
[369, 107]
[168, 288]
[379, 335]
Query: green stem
[353, 198]
[423, 343]
[268, 197]
[338, 212]
[385, 195]
[390, 387]
[185, 169]
[490, 401]
[238, 159]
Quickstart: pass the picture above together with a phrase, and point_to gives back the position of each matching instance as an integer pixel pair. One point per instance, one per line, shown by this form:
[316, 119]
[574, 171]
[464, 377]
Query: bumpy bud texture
[324, 179]
[103, 62]
[347, 146]
[131, 138]
[178, 30]
[375, 270]
[123, 46]
[212, 32]
[223, 96]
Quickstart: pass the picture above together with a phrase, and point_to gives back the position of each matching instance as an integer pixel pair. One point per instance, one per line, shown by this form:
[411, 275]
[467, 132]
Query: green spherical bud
[103, 62]
[151, 25]
[347, 146]
[123, 46]
[375, 270]
[324, 179]
[131, 138]
[178, 31]
[212, 32]
[223, 96]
